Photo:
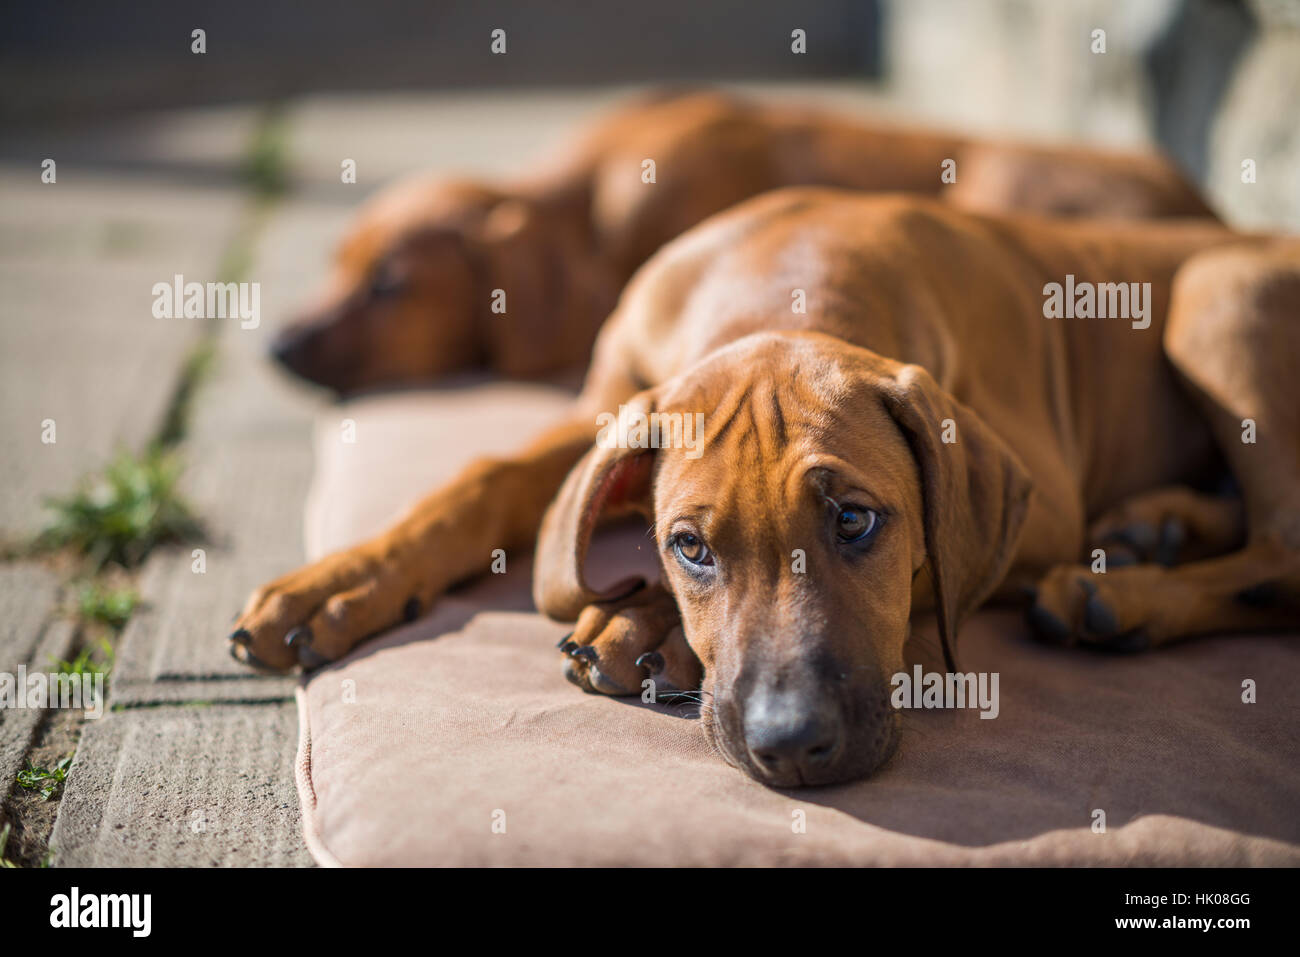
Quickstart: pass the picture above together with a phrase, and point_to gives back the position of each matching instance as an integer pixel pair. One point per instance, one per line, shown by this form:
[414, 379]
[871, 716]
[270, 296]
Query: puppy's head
[411, 294]
[792, 535]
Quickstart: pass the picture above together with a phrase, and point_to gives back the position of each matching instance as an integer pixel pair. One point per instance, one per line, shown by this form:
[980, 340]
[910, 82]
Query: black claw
[299, 636]
[1172, 537]
[569, 647]
[563, 641]
[652, 660]
[586, 651]
[411, 610]
[1120, 557]
[1098, 617]
[1141, 535]
[241, 636]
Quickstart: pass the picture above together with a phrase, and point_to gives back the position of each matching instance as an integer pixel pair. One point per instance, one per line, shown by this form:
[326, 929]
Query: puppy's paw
[318, 613]
[1074, 606]
[1140, 541]
[618, 645]
[1169, 526]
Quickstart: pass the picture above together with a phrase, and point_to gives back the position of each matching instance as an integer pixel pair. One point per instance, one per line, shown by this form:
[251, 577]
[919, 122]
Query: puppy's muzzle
[300, 348]
[803, 724]
[792, 737]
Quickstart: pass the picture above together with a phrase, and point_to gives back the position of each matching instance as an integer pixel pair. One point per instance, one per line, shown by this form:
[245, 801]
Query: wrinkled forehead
[767, 442]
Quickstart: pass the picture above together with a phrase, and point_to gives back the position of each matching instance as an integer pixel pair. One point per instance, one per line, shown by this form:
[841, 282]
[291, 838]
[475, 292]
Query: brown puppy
[922, 434]
[413, 291]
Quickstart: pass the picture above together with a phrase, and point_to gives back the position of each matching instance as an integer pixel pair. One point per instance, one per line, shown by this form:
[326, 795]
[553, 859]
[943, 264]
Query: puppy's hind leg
[1234, 335]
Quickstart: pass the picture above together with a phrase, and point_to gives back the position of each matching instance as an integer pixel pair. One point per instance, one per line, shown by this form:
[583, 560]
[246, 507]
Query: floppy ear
[609, 479]
[975, 492]
[518, 254]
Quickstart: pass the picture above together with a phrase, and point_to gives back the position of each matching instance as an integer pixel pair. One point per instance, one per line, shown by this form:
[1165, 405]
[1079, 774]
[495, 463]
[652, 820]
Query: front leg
[320, 612]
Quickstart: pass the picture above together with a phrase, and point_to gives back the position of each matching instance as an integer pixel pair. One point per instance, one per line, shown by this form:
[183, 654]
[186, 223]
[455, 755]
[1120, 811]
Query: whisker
[688, 695]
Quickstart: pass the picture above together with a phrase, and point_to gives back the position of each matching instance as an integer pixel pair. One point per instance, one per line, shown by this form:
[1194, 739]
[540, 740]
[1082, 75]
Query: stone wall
[1259, 119]
[1212, 82]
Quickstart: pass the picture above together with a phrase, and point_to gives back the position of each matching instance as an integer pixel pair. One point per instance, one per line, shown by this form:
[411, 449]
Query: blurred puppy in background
[441, 276]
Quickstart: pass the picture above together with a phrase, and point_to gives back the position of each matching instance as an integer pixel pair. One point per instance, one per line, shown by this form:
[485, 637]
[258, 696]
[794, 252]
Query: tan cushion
[413, 748]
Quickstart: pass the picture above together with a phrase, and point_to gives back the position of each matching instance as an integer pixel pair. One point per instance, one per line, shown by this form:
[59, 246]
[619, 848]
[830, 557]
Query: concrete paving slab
[183, 786]
[248, 494]
[203, 144]
[88, 215]
[79, 344]
[28, 597]
[249, 464]
[172, 777]
[483, 134]
[18, 726]
[250, 461]
[92, 385]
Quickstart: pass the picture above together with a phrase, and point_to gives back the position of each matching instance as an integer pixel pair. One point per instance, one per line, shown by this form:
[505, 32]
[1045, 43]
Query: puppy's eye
[854, 523]
[691, 550]
[386, 281]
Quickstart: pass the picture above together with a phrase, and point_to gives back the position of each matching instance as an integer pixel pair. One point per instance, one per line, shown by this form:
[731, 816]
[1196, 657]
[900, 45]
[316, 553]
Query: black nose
[288, 346]
[792, 738]
[302, 350]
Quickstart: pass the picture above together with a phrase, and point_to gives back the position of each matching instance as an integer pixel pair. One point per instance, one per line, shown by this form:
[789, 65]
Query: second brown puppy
[414, 287]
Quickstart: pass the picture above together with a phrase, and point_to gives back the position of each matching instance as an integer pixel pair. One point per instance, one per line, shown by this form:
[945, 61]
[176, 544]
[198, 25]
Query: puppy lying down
[921, 434]
[440, 276]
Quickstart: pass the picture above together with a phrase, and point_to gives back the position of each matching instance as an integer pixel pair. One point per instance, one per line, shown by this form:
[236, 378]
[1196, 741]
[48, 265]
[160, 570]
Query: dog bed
[456, 740]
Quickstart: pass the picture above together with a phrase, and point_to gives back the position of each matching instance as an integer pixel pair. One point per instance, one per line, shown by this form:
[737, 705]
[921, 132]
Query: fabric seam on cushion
[306, 790]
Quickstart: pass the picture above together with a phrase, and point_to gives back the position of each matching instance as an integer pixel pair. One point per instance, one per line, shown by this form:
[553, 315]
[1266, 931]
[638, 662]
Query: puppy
[439, 277]
[927, 431]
